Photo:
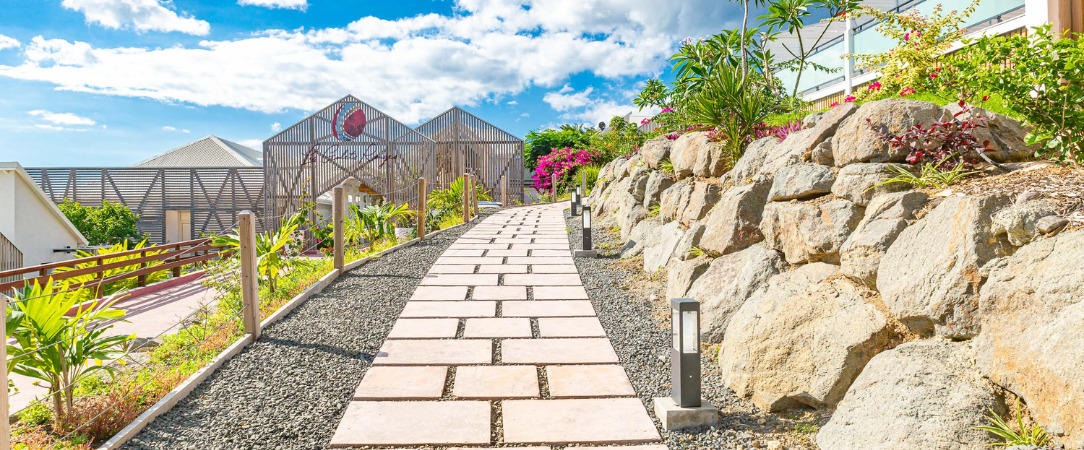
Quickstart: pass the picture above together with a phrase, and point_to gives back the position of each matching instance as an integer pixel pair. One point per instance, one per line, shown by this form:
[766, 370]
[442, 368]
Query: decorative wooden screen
[10, 259]
[213, 195]
[468, 143]
[346, 139]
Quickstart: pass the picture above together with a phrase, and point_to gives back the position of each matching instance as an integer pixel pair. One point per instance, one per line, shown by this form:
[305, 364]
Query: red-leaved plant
[780, 132]
[945, 143]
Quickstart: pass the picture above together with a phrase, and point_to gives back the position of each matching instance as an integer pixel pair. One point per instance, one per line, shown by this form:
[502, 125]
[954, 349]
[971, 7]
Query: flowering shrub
[944, 144]
[780, 132]
[561, 162]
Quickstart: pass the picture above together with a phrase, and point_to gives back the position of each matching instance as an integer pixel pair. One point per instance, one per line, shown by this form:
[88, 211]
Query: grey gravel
[638, 326]
[290, 389]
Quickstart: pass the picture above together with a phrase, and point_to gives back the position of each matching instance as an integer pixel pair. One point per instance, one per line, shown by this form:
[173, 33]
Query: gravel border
[638, 327]
[290, 389]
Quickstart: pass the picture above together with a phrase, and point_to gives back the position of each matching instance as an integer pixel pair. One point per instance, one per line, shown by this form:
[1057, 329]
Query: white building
[32, 229]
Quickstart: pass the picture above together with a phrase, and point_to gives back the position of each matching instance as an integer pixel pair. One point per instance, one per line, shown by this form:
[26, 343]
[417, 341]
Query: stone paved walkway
[499, 345]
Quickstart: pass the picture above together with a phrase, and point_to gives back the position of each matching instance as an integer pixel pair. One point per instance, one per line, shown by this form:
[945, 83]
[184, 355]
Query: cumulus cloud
[276, 4]
[567, 99]
[251, 143]
[141, 15]
[582, 106]
[412, 68]
[169, 128]
[61, 118]
[276, 127]
[8, 42]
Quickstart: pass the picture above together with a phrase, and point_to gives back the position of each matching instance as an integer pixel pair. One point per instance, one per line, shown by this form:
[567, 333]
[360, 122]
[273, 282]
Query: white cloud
[252, 143]
[525, 115]
[566, 98]
[276, 127]
[512, 103]
[169, 128]
[581, 106]
[61, 118]
[45, 126]
[8, 42]
[276, 4]
[412, 68]
[141, 15]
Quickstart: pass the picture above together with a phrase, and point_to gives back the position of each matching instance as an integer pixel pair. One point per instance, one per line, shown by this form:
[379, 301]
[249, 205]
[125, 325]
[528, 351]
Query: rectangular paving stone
[478, 246]
[463, 252]
[602, 421]
[547, 308]
[469, 260]
[440, 293]
[518, 252]
[589, 381]
[465, 240]
[402, 383]
[551, 241]
[552, 253]
[560, 293]
[631, 447]
[434, 352]
[439, 309]
[539, 279]
[535, 260]
[558, 351]
[500, 293]
[503, 268]
[495, 382]
[500, 327]
[414, 423]
[452, 268]
[439, 279]
[424, 329]
[554, 268]
[570, 327]
[512, 241]
[540, 246]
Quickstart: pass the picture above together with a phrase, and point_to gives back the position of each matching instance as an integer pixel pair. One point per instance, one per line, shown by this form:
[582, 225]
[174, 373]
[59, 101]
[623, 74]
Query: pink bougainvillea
[906, 92]
[561, 162]
[874, 86]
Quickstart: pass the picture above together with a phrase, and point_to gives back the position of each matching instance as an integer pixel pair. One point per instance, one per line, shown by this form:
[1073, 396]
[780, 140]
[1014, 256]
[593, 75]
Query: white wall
[30, 221]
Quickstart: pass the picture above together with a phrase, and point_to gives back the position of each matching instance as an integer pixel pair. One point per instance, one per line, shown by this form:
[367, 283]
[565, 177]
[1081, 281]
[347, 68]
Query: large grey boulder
[1020, 222]
[856, 182]
[701, 199]
[656, 151]
[684, 153]
[638, 238]
[630, 214]
[1004, 135]
[809, 232]
[672, 201]
[748, 167]
[825, 126]
[886, 217]
[764, 157]
[801, 181]
[681, 275]
[711, 157]
[657, 183]
[856, 141]
[919, 395]
[638, 184]
[734, 223]
[690, 240]
[727, 283]
[661, 245]
[1032, 339]
[930, 278]
[805, 344]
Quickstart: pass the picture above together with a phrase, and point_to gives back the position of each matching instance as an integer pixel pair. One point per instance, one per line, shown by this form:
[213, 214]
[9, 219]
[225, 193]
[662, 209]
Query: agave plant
[61, 349]
[270, 262]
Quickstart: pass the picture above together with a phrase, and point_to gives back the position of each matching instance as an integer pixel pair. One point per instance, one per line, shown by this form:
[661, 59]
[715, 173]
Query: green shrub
[1024, 434]
[111, 223]
[543, 142]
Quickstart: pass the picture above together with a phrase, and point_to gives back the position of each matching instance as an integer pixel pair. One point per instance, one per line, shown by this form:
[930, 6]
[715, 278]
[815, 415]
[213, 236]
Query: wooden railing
[10, 258]
[171, 257]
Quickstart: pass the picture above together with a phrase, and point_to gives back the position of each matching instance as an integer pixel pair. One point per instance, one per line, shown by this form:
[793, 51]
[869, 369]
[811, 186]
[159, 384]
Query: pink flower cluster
[906, 92]
[874, 86]
[560, 162]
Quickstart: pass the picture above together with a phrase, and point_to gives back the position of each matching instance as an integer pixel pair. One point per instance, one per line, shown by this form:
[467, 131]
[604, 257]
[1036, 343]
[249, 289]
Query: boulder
[809, 232]
[856, 182]
[638, 183]
[657, 183]
[929, 277]
[749, 166]
[886, 217]
[711, 158]
[1020, 222]
[806, 140]
[727, 283]
[823, 154]
[656, 151]
[700, 201]
[919, 395]
[1051, 224]
[1005, 136]
[734, 223]
[801, 181]
[671, 200]
[857, 141]
[681, 274]
[1032, 339]
[684, 152]
[660, 246]
[811, 120]
[630, 214]
[804, 344]
[638, 237]
[689, 240]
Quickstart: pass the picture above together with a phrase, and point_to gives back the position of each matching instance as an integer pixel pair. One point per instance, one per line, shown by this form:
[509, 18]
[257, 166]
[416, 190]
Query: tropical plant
[1039, 75]
[270, 248]
[592, 171]
[375, 223]
[60, 349]
[654, 93]
[790, 15]
[451, 198]
[763, 130]
[112, 287]
[1024, 434]
[111, 223]
[930, 176]
[666, 166]
[944, 143]
[561, 162]
[621, 138]
[542, 142]
[733, 107]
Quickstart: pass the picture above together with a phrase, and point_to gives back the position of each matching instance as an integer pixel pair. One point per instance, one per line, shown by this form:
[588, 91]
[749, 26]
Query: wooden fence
[467, 144]
[11, 258]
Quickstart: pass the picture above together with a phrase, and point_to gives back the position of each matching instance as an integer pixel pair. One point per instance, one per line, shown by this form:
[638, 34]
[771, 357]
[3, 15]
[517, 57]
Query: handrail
[71, 262]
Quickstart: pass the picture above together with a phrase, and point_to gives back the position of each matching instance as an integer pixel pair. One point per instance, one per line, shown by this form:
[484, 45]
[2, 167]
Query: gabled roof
[211, 151]
[44, 199]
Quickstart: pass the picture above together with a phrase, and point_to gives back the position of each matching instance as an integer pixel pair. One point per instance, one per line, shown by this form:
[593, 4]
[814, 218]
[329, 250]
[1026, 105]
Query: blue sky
[112, 82]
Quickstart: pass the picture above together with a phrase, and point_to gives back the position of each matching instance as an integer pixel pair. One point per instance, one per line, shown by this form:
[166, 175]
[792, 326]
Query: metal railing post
[250, 288]
[421, 209]
[339, 215]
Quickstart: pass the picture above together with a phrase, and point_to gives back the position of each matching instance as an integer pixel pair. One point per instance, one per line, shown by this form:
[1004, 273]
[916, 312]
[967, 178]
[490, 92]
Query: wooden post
[5, 425]
[553, 187]
[583, 182]
[474, 195]
[421, 209]
[142, 279]
[466, 198]
[176, 270]
[250, 288]
[504, 191]
[339, 203]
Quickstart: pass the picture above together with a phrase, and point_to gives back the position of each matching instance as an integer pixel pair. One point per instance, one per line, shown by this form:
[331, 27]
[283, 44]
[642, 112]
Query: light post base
[586, 253]
[674, 417]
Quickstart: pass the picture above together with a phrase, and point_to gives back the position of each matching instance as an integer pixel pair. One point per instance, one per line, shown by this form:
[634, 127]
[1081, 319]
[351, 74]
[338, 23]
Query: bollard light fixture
[587, 228]
[685, 354]
[575, 204]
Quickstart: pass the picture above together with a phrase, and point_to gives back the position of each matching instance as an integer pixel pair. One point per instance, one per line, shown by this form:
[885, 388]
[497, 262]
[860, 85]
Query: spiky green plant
[930, 176]
[666, 166]
[1024, 434]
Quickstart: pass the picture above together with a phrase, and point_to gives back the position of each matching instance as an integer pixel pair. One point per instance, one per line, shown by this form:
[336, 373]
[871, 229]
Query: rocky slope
[909, 314]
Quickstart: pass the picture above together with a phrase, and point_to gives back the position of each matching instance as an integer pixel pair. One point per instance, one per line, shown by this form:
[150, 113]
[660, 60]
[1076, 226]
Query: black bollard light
[587, 228]
[685, 355]
[575, 204]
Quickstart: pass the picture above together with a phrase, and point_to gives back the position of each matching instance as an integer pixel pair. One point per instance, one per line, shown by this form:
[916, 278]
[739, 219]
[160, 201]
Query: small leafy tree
[542, 142]
[791, 15]
[270, 248]
[111, 223]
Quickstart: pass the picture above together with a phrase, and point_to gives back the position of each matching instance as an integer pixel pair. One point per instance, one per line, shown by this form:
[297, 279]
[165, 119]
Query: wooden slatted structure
[212, 195]
[11, 258]
[466, 143]
[346, 139]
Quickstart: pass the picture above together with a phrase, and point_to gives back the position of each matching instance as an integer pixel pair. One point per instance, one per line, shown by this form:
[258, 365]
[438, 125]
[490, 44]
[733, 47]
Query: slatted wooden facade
[466, 143]
[11, 258]
[346, 139]
[212, 195]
